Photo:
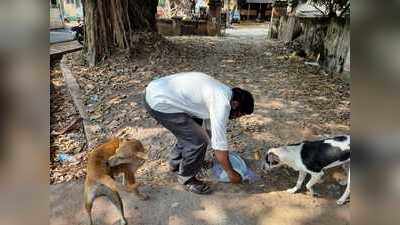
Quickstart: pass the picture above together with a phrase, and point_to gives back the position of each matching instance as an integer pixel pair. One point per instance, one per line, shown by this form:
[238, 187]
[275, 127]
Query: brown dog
[107, 161]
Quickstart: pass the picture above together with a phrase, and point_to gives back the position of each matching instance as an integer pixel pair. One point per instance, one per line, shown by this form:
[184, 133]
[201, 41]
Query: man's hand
[234, 177]
[223, 159]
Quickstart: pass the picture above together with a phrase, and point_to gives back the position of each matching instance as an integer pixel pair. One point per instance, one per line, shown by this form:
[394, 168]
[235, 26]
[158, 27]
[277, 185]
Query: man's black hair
[245, 99]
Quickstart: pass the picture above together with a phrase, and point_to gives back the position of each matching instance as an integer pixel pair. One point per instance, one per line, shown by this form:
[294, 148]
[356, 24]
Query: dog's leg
[346, 193]
[89, 197]
[132, 186]
[315, 177]
[346, 168]
[110, 190]
[302, 176]
[109, 182]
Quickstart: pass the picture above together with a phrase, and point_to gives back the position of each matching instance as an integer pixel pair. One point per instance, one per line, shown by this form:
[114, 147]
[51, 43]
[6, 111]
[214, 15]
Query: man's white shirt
[198, 95]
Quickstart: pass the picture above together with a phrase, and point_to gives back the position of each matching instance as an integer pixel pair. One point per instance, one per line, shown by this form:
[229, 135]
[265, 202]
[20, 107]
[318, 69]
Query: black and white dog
[313, 157]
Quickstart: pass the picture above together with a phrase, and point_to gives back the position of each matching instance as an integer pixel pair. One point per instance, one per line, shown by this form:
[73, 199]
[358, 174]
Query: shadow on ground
[171, 205]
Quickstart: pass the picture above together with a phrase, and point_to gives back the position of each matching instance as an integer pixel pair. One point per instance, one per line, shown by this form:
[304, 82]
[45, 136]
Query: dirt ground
[294, 102]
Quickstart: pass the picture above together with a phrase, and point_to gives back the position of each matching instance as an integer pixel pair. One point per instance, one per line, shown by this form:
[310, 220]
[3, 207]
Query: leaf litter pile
[294, 101]
[66, 136]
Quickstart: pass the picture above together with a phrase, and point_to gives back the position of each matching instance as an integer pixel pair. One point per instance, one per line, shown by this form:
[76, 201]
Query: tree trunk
[112, 24]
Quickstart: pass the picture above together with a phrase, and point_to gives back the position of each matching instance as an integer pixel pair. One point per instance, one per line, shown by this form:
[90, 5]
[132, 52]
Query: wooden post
[248, 12]
[61, 7]
[228, 15]
[228, 18]
[214, 21]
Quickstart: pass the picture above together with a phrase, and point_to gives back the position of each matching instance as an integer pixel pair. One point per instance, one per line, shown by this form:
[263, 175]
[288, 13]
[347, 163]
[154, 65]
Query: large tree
[112, 24]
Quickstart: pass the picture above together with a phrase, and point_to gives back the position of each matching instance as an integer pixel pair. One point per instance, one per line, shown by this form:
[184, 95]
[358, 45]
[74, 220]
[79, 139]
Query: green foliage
[332, 6]
[161, 2]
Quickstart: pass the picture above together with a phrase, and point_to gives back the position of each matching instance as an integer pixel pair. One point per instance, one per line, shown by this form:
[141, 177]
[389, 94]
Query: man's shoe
[197, 187]
[173, 169]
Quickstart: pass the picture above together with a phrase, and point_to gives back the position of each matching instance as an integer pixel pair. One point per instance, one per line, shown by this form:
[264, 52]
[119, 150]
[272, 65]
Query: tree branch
[345, 9]
[315, 6]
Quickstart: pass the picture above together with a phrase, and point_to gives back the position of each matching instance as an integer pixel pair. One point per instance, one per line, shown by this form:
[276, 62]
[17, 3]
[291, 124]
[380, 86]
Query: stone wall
[277, 12]
[337, 45]
[168, 27]
[288, 29]
[176, 27]
[329, 38]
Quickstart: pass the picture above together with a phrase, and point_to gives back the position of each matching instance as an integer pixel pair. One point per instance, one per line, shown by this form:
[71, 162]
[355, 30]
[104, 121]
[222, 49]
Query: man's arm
[223, 159]
[219, 116]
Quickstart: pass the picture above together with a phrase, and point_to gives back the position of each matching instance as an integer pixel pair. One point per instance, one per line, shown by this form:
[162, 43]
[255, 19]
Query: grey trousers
[192, 141]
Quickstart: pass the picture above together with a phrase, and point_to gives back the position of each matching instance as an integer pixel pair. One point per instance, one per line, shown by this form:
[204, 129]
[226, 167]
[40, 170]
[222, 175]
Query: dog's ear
[113, 160]
[138, 145]
[122, 155]
[141, 155]
[135, 144]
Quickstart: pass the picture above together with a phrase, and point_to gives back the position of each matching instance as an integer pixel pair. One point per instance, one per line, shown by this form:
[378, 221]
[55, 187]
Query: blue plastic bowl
[237, 163]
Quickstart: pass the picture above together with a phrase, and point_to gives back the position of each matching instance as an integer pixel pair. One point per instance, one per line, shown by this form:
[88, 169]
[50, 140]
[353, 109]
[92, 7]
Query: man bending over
[188, 104]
